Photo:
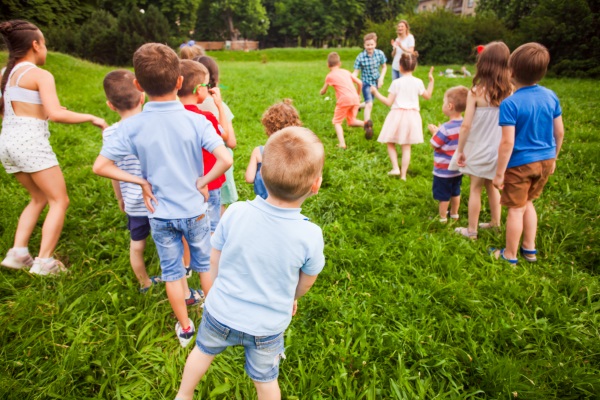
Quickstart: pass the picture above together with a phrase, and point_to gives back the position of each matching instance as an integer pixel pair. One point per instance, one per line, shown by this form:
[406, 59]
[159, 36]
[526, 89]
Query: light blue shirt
[168, 141]
[263, 249]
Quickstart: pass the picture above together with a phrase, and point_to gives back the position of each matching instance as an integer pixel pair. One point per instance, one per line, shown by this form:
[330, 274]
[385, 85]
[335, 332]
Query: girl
[29, 101]
[403, 124]
[277, 117]
[404, 43]
[480, 134]
[189, 50]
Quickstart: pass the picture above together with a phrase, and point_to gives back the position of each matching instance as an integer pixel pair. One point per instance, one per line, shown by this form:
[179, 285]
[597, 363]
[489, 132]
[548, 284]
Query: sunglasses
[207, 85]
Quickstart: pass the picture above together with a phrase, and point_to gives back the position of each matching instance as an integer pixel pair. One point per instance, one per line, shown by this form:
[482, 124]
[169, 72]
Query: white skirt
[402, 126]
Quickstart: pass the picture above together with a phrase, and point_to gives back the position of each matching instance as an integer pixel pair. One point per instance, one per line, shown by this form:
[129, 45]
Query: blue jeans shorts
[167, 235]
[445, 188]
[366, 90]
[139, 227]
[263, 353]
[214, 208]
[395, 74]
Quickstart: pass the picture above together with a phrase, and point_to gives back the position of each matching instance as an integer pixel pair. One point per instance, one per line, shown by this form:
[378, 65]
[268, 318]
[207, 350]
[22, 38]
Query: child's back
[345, 91]
[407, 88]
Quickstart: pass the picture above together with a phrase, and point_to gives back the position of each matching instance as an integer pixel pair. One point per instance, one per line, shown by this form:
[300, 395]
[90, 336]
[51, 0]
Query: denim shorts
[396, 74]
[366, 90]
[445, 188]
[139, 227]
[167, 235]
[263, 353]
[214, 208]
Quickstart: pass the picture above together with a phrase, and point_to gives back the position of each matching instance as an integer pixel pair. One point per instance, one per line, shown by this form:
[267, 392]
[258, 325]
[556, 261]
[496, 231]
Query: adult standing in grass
[404, 43]
[29, 101]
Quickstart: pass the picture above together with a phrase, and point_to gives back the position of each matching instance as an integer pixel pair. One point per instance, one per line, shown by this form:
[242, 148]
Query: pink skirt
[402, 126]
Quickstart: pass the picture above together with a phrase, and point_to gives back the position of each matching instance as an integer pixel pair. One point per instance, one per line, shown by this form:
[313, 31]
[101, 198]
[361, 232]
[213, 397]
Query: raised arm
[429, 91]
[216, 95]
[252, 165]
[465, 129]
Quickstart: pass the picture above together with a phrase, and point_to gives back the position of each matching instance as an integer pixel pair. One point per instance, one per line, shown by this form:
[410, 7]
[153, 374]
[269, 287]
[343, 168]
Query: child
[532, 135]
[29, 101]
[480, 134]
[189, 50]
[277, 117]
[368, 63]
[229, 194]
[404, 43]
[267, 283]
[348, 96]
[123, 97]
[446, 184]
[403, 124]
[167, 140]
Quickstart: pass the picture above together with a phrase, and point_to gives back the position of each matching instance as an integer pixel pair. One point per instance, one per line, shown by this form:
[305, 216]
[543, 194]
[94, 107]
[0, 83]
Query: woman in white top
[404, 43]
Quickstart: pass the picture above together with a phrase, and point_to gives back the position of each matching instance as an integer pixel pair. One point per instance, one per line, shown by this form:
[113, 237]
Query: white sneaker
[12, 260]
[184, 337]
[40, 267]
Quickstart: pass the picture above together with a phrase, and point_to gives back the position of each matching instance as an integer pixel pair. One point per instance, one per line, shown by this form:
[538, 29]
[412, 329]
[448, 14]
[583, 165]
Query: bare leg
[368, 108]
[176, 295]
[31, 213]
[357, 123]
[443, 209]
[475, 203]
[136, 257]
[391, 148]
[268, 390]
[454, 205]
[186, 252]
[405, 160]
[195, 367]
[530, 222]
[339, 131]
[514, 229]
[494, 201]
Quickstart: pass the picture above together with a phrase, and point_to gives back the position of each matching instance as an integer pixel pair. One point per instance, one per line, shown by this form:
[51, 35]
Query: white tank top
[17, 93]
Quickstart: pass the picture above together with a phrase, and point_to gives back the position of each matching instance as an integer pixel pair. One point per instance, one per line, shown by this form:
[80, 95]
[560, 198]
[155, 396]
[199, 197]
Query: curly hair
[279, 116]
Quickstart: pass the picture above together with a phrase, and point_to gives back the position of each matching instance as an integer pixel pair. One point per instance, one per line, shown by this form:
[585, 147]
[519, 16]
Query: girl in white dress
[480, 134]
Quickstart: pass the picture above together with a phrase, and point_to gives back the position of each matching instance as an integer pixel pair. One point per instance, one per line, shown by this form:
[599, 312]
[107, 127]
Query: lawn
[404, 308]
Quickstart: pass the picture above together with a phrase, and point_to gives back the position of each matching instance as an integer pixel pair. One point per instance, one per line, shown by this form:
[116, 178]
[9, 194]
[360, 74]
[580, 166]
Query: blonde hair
[370, 36]
[279, 116]
[193, 74]
[333, 59]
[457, 96]
[188, 52]
[292, 160]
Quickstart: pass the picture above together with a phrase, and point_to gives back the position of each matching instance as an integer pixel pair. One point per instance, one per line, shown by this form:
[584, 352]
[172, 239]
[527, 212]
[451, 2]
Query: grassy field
[404, 309]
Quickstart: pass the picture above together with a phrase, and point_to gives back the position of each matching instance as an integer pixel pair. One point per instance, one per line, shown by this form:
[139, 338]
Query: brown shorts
[525, 183]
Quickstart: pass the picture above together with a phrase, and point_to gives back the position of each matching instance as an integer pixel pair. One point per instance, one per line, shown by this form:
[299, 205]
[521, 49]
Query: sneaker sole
[54, 271]
[13, 264]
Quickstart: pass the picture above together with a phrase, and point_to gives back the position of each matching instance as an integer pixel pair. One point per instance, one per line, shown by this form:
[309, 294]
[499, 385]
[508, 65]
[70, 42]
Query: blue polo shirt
[263, 249]
[531, 110]
[168, 141]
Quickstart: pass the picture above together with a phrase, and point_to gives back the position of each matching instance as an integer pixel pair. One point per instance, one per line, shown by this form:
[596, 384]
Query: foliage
[228, 19]
[47, 13]
[404, 308]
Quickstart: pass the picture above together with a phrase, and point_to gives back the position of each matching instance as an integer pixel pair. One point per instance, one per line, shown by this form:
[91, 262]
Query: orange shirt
[345, 91]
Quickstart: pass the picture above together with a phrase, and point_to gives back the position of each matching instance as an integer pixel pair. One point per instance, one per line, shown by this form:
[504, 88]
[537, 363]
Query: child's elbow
[97, 167]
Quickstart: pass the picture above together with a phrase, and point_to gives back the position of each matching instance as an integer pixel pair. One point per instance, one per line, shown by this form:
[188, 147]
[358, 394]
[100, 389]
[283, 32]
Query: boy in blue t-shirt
[168, 140]
[532, 135]
[265, 256]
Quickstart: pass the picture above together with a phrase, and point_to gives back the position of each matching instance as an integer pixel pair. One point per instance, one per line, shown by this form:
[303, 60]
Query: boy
[123, 98]
[167, 139]
[446, 183]
[348, 96]
[256, 289]
[532, 135]
[368, 63]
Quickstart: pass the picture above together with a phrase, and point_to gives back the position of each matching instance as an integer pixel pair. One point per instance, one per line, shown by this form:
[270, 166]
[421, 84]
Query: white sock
[45, 260]
[21, 251]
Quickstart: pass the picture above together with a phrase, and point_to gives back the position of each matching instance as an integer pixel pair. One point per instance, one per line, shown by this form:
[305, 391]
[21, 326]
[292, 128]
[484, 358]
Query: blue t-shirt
[263, 249]
[531, 110]
[168, 141]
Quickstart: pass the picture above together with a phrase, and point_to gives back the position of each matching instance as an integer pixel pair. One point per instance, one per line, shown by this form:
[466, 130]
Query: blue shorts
[139, 227]
[445, 188]
[395, 74]
[263, 353]
[366, 90]
[214, 208]
[167, 235]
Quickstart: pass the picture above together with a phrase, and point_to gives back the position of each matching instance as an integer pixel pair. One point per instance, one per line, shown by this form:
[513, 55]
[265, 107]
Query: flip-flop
[528, 255]
[465, 232]
[500, 255]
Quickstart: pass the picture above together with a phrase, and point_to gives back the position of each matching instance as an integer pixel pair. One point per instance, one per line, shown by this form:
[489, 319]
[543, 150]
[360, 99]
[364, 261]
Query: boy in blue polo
[265, 256]
[532, 135]
[168, 141]
[368, 63]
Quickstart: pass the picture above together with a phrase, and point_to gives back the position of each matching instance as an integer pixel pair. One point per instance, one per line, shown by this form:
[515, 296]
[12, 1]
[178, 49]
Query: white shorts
[24, 145]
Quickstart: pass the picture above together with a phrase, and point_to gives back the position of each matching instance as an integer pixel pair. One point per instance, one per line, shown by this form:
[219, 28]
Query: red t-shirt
[209, 159]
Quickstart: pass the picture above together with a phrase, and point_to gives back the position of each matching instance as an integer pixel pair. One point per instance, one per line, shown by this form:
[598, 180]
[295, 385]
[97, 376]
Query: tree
[231, 19]
[509, 11]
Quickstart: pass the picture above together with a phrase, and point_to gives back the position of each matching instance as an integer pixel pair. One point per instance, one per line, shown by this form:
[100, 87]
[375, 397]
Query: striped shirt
[369, 66]
[132, 193]
[445, 142]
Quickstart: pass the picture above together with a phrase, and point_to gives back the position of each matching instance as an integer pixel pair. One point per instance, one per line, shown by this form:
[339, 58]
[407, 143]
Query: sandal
[154, 280]
[454, 216]
[443, 220]
[499, 255]
[465, 232]
[528, 255]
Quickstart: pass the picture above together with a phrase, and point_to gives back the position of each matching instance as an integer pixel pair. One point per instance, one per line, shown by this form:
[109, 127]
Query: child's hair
[279, 116]
[529, 63]
[189, 50]
[120, 90]
[18, 36]
[212, 67]
[493, 75]
[408, 61]
[457, 96]
[405, 22]
[333, 59]
[193, 74]
[293, 158]
[370, 36]
[156, 68]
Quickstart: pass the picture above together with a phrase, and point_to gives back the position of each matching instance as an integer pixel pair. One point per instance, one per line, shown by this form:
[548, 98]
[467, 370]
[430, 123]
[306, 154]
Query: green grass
[404, 309]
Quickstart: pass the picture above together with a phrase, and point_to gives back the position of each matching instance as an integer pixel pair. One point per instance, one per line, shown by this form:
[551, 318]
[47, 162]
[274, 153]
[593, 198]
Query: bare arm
[358, 83]
[429, 91]
[215, 257]
[252, 165]
[304, 284]
[222, 164]
[388, 101]
[559, 134]
[216, 95]
[324, 89]
[382, 76]
[465, 129]
[355, 73]
[505, 149]
[117, 189]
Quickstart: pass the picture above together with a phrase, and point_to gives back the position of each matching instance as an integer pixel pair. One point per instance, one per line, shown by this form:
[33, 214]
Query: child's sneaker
[368, 129]
[196, 297]
[12, 260]
[188, 272]
[52, 266]
[184, 337]
[154, 280]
